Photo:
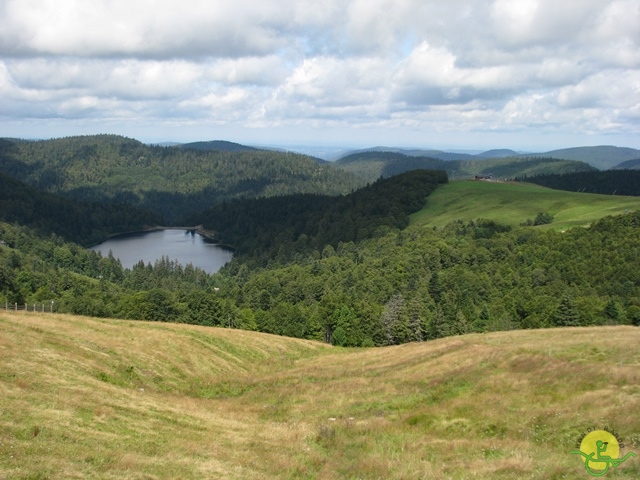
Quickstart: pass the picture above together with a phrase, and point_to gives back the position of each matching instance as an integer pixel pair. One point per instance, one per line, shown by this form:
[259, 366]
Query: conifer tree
[566, 314]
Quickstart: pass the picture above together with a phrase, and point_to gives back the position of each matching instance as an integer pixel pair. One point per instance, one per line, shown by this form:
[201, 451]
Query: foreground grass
[88, 398]
[514, 203]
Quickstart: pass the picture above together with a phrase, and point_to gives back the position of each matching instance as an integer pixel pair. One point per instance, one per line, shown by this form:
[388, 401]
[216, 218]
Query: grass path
[89, 398]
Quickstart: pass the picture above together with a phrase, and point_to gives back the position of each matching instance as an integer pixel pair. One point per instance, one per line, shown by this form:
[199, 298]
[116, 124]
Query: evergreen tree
[435, 287]
[394, 321]
[634, 315]
[415, 322]
[482, 319]
[440, 326]
[461, 325]
[566, 314]
[614, 313]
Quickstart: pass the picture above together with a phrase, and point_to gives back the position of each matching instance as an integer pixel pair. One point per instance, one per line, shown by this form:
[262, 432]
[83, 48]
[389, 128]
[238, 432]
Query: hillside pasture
[513, 203]
[88, 398]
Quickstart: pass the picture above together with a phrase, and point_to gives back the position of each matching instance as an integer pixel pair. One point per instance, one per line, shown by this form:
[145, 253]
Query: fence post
[15, 307]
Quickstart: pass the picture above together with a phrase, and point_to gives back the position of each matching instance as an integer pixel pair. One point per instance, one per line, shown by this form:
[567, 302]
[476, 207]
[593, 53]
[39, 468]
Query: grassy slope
[514, 203]
[87, 398]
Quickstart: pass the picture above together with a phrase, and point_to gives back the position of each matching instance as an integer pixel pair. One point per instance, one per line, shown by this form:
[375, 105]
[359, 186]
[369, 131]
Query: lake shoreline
[184, 245]
[209, 235]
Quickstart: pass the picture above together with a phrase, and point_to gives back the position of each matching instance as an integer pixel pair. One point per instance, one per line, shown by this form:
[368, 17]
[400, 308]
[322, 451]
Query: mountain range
[603, 157]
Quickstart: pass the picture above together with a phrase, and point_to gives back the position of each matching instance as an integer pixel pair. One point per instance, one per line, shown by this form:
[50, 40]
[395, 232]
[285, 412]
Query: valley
[85, 397]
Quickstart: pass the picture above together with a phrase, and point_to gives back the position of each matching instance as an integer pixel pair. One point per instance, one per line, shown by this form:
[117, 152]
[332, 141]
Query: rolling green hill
[514, 203]
[498, 153]
[372, 165]
[601, 157]
[514, 167]
[170, 181]
[220, 145]
[629, 164]
[87, 398]
[300, 223]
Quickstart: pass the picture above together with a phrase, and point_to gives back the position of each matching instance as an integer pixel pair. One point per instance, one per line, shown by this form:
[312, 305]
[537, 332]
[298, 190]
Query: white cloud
[139, 28]
[599, 91]
[528, 23]
[431, 76]
[460, 65]
[268, 70]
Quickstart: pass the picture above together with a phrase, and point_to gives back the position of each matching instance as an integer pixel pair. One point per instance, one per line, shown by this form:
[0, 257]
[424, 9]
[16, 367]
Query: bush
[543, 218]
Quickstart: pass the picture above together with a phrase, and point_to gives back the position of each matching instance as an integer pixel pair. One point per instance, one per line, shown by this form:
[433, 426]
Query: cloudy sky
[474, 74]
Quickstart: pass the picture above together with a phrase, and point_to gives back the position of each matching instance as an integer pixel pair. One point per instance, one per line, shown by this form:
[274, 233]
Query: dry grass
[88, 398]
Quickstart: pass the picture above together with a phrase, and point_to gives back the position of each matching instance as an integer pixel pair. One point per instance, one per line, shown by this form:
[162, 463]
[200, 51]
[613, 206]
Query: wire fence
[30, 307]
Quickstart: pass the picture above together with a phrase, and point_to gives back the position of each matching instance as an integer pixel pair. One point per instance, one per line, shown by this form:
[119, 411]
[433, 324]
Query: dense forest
[608, 182]
[171, 181]
[346, 269]
[406, 285]
[286, 226]
[83, 222]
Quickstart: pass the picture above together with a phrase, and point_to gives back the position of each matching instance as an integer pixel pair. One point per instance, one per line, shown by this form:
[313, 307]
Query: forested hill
[375, 164]
[220, 145]
[285, 225]
[81, 222]
[609, 182]
[602, 157]
[629, 164]
[170, 181]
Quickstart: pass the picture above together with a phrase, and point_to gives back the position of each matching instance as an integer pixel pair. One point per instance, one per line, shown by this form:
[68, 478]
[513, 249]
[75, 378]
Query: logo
[600, 450]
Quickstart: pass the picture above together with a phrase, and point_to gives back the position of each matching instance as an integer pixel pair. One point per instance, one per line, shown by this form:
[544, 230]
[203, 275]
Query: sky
[531, 75]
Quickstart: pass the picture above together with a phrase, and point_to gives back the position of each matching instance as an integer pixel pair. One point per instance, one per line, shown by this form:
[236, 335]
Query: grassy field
[87, 398]
[514, 203]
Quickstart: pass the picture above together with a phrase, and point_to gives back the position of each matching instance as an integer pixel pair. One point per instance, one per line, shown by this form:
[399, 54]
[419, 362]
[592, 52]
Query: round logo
[603, 443]
[600, 450]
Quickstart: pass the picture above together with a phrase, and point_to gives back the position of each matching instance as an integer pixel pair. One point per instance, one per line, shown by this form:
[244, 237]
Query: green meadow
[93, 398]
[512, 203]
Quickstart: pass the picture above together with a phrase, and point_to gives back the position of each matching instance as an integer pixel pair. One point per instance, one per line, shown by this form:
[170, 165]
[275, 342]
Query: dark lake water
[180, 245]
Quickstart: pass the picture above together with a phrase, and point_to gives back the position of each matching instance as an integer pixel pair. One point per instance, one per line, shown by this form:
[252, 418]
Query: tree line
[608, 182]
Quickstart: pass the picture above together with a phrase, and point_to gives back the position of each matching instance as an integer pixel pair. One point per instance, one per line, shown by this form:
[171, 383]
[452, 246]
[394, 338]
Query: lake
[181, 245]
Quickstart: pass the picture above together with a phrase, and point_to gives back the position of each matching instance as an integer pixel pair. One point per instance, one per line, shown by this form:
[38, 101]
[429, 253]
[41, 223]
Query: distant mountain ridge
[602, 157]
[498, 153]
[628, 165]
[415, 152]
[371, 165]
[218, 145]
[440, 154]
